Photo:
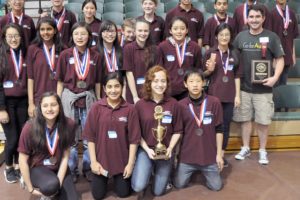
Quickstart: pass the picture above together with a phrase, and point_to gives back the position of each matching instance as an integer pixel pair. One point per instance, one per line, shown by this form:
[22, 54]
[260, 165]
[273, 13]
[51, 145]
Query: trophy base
[160, 157]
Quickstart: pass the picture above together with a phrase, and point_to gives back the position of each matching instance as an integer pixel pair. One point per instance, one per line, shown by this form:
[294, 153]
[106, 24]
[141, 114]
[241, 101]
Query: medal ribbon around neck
[226, 63]
[18, 63]
[180, 55]
[111, 61]
[217, 20]
[50, 56]
[286, 18]
[202, 112]
[60, 21]
[12, 16]
[52, 142]
[82, 68]
[122, 41]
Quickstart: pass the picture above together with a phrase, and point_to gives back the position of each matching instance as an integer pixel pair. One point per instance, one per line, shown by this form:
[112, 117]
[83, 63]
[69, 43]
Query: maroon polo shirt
[12, 89]
[210, 29]
[66, 73]
[168, 59]
[39, 71]
[225, 91]
[27, 25]
[69, 21]
[172, 122]
[37, 156]
[134, 60]
[157, 27]
[286, 41]
[95, 26]
[112, 130]
[195, 149]
[195, 21]
[239, 18]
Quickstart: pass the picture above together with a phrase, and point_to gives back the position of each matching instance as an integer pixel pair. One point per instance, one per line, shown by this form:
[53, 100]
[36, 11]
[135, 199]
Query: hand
[36, 192]
[270, 82]
[151, 153]
[210, 65]
[294, 59]
[136, 99]
[128, 170]
[220, 162]
[237, 101]
[31, 110]
[169, 153]
[4, 118]
[44, 14]
[96, 168]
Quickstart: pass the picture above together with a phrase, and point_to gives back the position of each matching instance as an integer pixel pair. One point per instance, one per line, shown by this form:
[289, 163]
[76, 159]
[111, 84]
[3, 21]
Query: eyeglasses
[110, 31]
[10, 37]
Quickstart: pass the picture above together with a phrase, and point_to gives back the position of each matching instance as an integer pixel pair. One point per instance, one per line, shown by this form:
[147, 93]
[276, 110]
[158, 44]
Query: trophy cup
[159, 134]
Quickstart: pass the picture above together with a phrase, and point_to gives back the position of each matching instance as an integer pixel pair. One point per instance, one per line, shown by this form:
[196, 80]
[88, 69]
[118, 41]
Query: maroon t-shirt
[112, 130]
[210, 29]
[66, 73]
[27, 26]
[292, 33]
[39, 71]
[239, 18]
[168, 59]
[225, 91]
[200, 149]
[69, 21]
[157, 27]
[37, 156]
[172, 121]
[95, 26]
[14, 87]
[195, 21]
[134, 60]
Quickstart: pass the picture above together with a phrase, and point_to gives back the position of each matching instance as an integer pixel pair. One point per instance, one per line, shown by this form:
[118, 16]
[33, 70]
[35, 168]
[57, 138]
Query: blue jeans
[210, 172]
[143, 169]
[80, 119]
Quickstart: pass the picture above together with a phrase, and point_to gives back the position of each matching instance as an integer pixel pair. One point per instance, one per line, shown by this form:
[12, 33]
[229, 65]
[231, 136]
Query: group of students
[84, 88]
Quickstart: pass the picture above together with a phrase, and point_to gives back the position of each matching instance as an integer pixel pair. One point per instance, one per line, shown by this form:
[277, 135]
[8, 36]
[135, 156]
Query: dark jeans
[227, 116]
[16, 108]
[48, 183]
[99, 186]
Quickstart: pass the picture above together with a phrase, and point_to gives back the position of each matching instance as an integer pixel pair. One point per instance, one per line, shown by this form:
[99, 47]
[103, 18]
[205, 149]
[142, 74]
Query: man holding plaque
[285, 24]
[258, 49]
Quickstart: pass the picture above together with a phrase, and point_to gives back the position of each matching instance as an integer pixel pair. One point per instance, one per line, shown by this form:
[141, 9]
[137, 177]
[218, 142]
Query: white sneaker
[245, 152]
[263, 158]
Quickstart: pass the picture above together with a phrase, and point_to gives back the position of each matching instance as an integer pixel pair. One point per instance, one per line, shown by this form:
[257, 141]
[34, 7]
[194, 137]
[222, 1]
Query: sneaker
[245, 152]
[169, 186]
[18, 173]
[45, 198]
[10, 175]
[263, 158]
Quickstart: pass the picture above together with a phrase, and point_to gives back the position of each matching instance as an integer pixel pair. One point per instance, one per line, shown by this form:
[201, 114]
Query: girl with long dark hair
[44, 149]
[42, 61]
[13, 97]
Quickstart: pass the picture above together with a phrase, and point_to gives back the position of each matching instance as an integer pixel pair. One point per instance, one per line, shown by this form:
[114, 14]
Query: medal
[199, 120]
[50, 58]
[111, 61]
[52, 143]
[17, 62]
[17, 82]
[225, 79]
[180, 72]
[53, 160]
[81, 84]
[122, 41]
[12, 16]
[60, 20]
[285, 18]
[51, 76]
[217, 20]
[81, 68]
[199, 131]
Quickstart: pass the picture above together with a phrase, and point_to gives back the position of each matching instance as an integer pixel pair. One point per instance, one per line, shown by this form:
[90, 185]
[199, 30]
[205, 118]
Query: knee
[215, 186]
[178, 183]
[123, 193]
[51, 187]
[158, 191]
[138, 186]
[98, 194]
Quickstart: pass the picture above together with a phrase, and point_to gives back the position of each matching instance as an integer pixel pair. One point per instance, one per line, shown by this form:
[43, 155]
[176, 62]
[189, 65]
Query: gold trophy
[159, 134]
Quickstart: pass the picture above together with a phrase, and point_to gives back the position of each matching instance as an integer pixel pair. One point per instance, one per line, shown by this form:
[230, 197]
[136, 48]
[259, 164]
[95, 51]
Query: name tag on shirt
[207, 120]
[264, 39]
[170, 58]
[47, 162]
[167, 119]
[112, 134]
[230, 67]
[26, 26]
[140, 81]
[8, 84]
[93, 43]
[71, 60]
[66, 22]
